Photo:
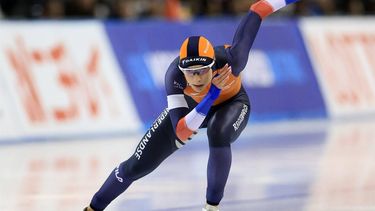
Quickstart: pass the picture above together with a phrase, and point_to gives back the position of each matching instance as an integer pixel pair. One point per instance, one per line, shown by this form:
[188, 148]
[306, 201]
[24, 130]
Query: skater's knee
[133, 170]
[218, 136]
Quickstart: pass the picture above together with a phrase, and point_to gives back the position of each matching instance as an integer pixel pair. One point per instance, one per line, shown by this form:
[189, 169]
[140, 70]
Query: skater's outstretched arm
[238, 52]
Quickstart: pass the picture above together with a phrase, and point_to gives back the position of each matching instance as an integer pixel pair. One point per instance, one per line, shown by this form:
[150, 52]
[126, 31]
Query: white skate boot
[210, 208]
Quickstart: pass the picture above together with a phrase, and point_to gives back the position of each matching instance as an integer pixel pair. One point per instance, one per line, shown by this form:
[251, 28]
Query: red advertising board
[343, 53]
[63, 79]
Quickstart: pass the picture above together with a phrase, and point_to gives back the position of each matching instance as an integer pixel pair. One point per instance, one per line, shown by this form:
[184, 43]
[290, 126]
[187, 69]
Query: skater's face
[198, 78]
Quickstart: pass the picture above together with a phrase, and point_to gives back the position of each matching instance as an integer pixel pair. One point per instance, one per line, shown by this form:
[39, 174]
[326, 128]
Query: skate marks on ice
[296, 166]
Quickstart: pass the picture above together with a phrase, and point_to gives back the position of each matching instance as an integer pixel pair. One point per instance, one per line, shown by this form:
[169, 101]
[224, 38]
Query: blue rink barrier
[145, 49]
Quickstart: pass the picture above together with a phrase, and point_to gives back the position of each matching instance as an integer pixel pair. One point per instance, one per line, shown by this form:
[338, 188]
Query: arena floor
[284, 166]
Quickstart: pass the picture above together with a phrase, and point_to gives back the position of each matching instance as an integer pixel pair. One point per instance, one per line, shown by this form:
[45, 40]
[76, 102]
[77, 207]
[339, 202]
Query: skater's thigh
[155, 146]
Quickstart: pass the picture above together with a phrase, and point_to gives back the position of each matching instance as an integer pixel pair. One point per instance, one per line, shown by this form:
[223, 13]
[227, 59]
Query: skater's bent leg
[156, 145]
[223, 129]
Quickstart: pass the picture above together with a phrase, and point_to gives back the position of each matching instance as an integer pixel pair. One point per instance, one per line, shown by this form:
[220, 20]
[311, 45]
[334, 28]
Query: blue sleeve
[238, 52]
[204, 106]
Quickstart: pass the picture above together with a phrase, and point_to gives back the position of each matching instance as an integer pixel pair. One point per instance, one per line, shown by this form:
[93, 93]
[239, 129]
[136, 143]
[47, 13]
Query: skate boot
[88, 209]
[210, 208]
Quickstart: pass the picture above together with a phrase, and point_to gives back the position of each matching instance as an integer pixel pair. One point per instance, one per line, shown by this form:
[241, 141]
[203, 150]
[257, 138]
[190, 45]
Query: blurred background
[82, 80]
[169, 9]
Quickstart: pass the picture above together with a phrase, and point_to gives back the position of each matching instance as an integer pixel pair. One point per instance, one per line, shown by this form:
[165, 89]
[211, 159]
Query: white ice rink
[284, 166]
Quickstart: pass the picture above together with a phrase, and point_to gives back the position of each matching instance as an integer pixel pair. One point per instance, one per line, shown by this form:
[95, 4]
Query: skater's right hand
[221, 79]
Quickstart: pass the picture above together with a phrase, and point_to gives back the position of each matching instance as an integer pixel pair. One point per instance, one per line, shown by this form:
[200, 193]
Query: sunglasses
[196, 70]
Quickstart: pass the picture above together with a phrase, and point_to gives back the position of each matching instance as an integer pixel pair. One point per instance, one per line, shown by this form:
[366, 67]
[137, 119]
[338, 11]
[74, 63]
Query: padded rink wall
[90, 78]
